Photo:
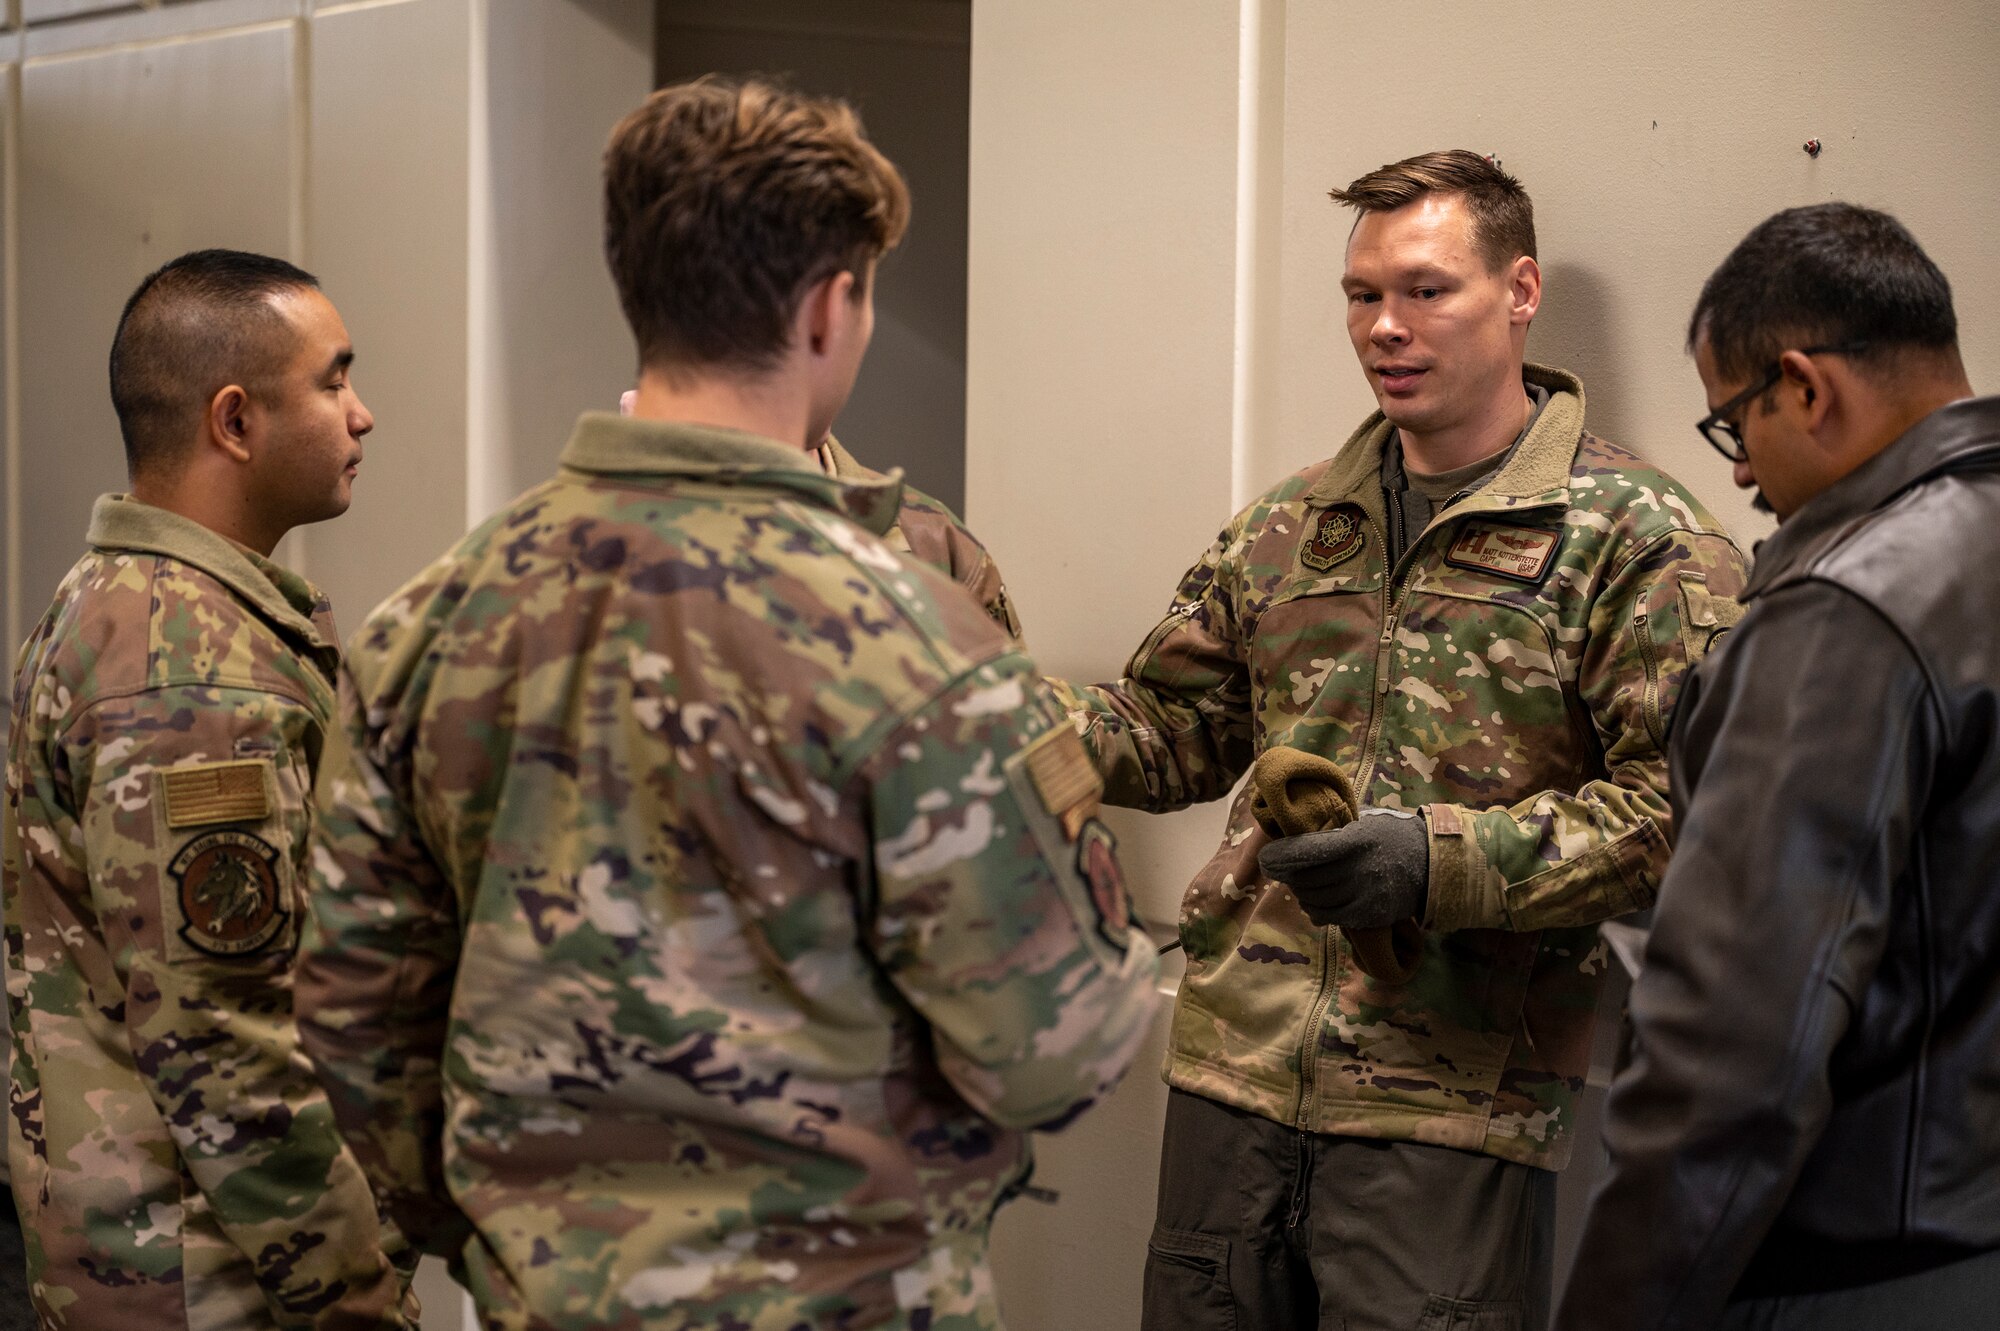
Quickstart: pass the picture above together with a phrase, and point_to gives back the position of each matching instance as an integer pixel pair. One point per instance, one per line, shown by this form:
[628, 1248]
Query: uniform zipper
[1392, 599]
[1392, 603]
[1655, 726]
[1175, 618]
[1309, 1050]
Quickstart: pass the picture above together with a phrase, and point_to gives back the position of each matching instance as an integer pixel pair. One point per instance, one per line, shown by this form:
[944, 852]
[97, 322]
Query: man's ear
[820, 312]
[228, 423]
[1524, 280]
[1808, 384]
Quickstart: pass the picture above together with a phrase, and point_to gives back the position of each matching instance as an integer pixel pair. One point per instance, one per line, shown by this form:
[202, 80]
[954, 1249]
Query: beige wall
[1156, 334]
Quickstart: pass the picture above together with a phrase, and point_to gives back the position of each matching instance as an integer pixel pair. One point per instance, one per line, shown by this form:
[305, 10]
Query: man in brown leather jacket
[1809, 1130]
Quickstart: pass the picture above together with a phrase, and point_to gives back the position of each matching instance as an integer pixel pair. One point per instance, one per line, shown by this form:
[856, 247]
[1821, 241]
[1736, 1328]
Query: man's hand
[1367, 875]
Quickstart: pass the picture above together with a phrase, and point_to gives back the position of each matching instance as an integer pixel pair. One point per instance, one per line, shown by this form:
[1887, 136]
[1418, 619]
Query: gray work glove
[1367, 875]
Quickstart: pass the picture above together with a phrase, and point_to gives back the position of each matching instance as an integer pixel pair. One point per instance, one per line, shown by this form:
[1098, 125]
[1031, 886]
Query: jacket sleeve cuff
[1465, 890]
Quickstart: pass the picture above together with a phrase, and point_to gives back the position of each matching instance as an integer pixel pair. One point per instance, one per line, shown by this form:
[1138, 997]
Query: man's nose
[361, 420]
[1388, 329]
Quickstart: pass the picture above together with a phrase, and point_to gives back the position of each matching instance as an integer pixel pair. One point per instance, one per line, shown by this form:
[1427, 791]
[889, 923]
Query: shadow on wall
[1577, 331]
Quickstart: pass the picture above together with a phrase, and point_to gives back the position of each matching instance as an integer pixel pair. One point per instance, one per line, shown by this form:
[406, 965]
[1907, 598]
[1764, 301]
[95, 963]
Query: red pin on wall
[1812, 147]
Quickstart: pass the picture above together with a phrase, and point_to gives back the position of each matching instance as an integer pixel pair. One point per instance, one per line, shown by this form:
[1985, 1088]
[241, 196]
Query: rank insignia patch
[1097, 862]
[1335, 535]
[1522, 553]
[228, 892]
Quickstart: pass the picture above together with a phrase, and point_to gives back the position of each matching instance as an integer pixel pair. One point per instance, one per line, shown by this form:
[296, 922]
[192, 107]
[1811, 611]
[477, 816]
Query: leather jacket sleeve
[1802, 764]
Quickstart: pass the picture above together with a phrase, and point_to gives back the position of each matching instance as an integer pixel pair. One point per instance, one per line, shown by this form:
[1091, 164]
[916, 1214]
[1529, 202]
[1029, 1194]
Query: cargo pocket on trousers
[1443, 1314]
[1188, 1273]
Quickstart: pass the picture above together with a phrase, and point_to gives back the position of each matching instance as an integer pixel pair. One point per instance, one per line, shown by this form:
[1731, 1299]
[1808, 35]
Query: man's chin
[1402, 413]
[335, 505]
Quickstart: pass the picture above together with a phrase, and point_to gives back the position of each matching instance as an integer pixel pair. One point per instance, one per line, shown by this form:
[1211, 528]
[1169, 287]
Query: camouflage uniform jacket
[719, 891]
[176, 1166]
[1511, 677]
[929, 530]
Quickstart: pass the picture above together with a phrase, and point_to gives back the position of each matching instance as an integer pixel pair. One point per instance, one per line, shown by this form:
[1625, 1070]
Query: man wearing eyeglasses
[1808, 1133]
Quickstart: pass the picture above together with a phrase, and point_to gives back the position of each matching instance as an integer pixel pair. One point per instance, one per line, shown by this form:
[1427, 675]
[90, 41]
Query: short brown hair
[1503, 216]
[724, 200]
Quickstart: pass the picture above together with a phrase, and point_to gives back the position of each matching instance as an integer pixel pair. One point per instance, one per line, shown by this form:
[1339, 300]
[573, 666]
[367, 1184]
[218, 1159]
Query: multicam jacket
[722, 889]
[929, 530]
[1512, 677]
[176, 1166]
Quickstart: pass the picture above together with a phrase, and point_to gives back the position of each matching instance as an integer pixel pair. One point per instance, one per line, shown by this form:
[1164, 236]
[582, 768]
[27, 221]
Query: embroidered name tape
[1512, 552]
[203, 793]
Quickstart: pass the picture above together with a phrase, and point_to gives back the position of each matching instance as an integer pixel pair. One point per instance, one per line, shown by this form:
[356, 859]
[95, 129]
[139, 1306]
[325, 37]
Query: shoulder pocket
[1705, 617]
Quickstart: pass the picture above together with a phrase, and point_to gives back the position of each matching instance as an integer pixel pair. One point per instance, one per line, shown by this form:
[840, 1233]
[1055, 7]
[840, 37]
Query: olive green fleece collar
[847, 466]
[606, 445]
[120, 522]
[1538, 473]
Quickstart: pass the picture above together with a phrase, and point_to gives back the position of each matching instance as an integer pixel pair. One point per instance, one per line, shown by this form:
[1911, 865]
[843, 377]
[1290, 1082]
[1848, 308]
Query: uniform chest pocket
[1705, 617]
[1313, 652]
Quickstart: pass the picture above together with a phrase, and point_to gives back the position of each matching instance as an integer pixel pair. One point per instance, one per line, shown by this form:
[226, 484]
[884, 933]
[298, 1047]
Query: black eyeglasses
[1723, 434]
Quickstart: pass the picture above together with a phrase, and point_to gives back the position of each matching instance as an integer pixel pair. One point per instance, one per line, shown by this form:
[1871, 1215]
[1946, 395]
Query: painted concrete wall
[1156, 333]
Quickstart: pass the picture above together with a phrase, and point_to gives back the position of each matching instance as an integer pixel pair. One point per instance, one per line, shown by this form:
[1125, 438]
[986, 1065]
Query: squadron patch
[1335, 535]
[228, 891]
[1522, 553]
[1097, 863]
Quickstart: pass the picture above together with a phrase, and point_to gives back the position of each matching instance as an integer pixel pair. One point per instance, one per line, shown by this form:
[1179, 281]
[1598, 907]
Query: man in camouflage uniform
[1481, 613]
[713, 895]
[175, 1164]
